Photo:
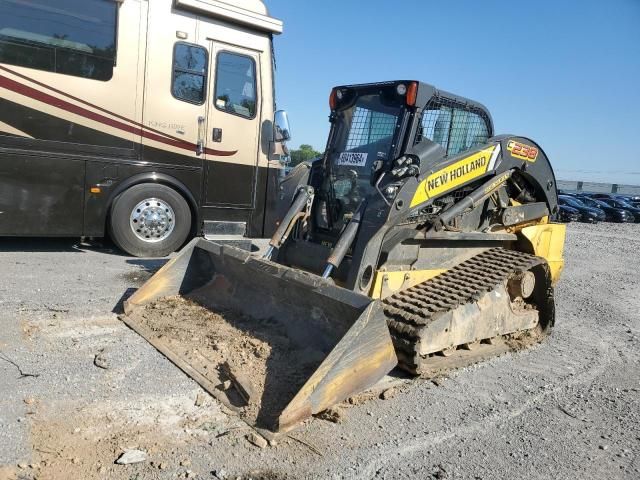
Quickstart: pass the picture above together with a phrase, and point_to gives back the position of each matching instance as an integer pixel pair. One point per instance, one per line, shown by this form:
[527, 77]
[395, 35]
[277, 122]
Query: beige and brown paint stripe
[97, 114]
[5, 128]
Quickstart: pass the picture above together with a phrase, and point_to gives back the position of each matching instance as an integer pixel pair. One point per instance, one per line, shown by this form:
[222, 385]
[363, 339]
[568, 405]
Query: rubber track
[408, 311]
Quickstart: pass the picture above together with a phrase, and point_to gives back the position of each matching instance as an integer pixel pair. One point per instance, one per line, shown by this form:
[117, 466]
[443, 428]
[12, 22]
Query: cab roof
[427, 93]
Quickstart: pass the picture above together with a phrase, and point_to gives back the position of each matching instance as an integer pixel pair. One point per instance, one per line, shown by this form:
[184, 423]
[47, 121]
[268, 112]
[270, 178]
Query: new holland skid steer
[420, 239]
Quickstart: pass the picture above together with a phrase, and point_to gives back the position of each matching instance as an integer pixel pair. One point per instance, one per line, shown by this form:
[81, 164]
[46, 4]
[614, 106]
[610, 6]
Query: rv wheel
[150, 220]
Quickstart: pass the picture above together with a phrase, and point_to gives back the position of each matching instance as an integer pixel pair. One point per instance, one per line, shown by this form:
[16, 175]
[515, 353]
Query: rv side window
[71, 37]
[190, 68]
[236, 84]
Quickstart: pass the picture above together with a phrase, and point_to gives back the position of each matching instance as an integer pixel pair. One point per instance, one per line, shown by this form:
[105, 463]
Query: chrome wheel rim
[152, 220]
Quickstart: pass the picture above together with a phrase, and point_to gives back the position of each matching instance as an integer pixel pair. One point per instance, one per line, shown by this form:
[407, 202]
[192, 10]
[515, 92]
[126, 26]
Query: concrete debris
[200, 399]
[101, 361]
[388, 393]
[220, 474]
[131, 456]
[257, 440]
[439, 473]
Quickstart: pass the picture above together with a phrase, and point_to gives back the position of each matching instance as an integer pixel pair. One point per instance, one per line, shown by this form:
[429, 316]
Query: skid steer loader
[420, 239]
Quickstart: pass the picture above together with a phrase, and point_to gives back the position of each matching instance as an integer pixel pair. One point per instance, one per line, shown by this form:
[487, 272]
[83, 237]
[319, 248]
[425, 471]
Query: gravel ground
[568, 408]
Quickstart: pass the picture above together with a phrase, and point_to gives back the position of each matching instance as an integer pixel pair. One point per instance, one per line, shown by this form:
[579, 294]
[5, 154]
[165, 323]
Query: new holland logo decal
[453, 176]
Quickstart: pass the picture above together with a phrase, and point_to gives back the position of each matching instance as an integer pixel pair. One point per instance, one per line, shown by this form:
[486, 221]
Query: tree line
[303, 154]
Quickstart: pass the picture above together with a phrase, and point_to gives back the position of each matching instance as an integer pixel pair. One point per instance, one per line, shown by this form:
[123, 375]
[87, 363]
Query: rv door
[175, 100]
[233, 124]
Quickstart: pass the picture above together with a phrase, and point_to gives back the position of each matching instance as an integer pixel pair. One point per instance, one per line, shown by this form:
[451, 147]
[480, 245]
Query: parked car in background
[568, 214]
[568, 194]
[619, 203]
[613, 214]
[600, 196]
[631, 199]
[587, 214]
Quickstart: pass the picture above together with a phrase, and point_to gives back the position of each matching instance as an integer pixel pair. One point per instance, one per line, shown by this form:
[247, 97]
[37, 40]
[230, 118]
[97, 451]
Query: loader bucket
[315, 344]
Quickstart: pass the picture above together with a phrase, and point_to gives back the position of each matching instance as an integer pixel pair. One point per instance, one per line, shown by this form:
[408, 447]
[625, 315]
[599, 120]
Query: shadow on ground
[57, 244]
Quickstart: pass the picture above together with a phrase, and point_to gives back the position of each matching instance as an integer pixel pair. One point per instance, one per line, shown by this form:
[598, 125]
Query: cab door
[233, 125]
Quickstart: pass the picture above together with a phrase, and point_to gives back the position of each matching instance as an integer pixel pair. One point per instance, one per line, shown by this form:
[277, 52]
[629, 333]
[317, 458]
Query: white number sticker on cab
[353, 159]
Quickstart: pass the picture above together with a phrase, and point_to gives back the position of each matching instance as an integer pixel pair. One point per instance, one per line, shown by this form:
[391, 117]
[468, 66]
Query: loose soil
[261, 351]
[84, 443]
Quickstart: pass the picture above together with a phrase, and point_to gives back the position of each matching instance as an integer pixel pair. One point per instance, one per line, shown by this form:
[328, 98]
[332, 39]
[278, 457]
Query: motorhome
[149, 120]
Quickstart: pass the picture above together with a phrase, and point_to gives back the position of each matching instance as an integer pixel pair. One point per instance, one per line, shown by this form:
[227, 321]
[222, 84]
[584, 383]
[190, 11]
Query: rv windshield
[363, 133]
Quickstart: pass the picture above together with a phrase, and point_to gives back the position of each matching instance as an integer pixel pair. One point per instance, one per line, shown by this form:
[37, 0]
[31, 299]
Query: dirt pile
[259, 352]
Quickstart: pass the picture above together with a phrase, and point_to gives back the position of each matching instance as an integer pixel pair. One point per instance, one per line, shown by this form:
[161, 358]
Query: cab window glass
[456, 129]
[368, 126]
[235, 90]
[72, 37]
[190, 65]
[469, 130]
[436, 125]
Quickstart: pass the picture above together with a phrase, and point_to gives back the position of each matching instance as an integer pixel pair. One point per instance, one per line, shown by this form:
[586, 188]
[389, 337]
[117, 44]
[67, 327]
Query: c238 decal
[454, 175]
[522, 151]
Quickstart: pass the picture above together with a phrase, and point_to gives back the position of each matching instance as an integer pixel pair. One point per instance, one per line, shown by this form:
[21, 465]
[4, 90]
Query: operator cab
[373, 125]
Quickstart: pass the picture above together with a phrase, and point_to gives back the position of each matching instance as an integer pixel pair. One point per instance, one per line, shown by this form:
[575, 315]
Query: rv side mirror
[281, 130]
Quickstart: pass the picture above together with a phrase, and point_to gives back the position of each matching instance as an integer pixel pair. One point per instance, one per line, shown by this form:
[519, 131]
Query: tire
[150, 220]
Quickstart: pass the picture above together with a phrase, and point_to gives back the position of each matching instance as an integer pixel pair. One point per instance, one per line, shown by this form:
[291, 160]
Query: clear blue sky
[565, 73]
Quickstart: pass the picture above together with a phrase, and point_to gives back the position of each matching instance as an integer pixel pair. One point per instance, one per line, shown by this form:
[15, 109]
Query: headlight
[390, 192]
[401, 89]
